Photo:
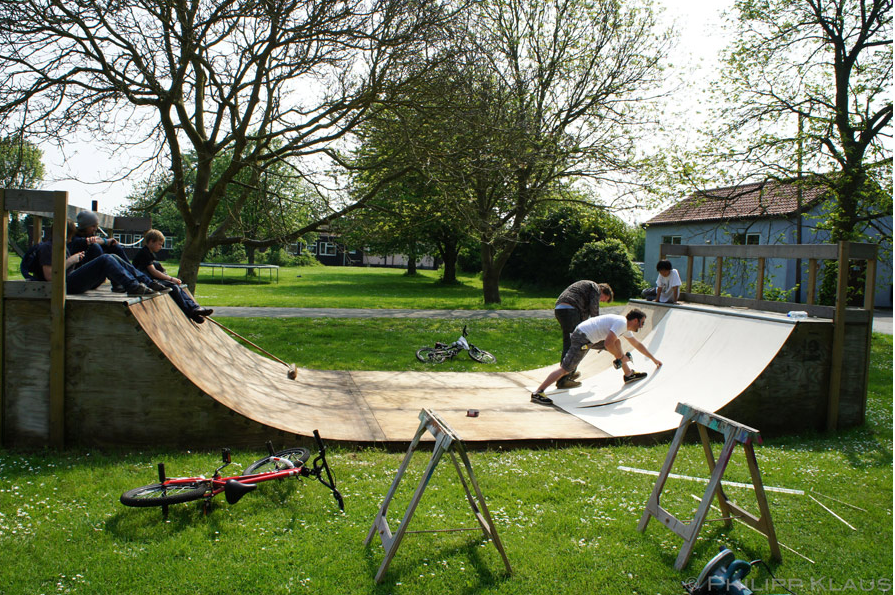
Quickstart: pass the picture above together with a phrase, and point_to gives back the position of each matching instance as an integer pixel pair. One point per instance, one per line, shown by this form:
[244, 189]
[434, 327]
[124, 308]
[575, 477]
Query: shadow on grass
[487, 573]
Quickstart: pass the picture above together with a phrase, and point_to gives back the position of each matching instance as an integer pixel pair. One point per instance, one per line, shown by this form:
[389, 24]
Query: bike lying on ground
[443, 351]
[278, 465]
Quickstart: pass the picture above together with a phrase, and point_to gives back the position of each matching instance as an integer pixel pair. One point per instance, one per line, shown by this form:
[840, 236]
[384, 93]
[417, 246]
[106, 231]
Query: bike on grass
[278, 465]
[443, 351]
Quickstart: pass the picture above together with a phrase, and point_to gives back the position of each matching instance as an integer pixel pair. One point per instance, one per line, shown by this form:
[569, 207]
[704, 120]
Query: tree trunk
[193, 251]
[250, 254]
[490, 275]
[449, 252]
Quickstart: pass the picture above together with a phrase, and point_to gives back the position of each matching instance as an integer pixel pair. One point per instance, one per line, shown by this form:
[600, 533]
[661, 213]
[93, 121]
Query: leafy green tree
[260, 82]
[550, 241]
[608, 261]
[267, 203]
[21, 166]
[529, 96]
[806, 95]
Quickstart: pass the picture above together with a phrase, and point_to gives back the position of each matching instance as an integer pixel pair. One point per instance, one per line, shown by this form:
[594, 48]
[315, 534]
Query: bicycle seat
[235, 490]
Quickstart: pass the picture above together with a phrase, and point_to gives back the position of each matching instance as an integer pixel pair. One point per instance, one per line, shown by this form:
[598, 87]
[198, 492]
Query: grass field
[567, 515]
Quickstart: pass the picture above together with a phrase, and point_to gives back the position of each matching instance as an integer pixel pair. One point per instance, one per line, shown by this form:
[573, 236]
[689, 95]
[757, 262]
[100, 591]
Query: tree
[20, 167]
[530, 96]
[262, 82]
[549, 241]
[21, 164]
[806, 93]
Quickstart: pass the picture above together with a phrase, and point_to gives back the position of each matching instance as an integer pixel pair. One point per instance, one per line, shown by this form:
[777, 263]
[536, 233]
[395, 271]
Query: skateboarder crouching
[600, 332]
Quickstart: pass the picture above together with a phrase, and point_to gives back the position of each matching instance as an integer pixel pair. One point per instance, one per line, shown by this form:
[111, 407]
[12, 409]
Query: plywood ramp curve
[351, 406]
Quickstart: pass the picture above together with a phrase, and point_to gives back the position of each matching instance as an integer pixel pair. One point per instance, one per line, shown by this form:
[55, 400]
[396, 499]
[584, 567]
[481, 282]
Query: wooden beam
[838, 347]
[759, 281]
[719, 263]
[57, 323]
[37, 225]
[4, 273]
[857, 251]
[812, 281]
[689, 273]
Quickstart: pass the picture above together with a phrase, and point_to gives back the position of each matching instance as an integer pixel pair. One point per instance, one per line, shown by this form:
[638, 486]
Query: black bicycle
[443, 351]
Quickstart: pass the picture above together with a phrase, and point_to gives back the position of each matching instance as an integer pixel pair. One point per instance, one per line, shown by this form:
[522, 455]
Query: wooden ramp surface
[350, 406]
[709, 360]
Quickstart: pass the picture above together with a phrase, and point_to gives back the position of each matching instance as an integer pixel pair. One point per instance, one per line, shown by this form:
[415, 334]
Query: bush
[608, 261]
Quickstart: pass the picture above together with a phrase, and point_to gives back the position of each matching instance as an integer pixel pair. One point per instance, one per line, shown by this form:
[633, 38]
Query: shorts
[577, 350]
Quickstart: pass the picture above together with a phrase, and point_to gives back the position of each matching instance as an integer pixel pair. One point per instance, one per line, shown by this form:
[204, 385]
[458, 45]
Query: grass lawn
[361, 287]
[567, 515]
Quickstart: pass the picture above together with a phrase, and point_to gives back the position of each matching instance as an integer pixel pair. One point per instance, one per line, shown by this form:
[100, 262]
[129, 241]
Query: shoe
[541, 399]
[634, 377]
[574, 375]
[567, 382]
[139, 289]
[118, 289]
[156, 286]
[200, 311]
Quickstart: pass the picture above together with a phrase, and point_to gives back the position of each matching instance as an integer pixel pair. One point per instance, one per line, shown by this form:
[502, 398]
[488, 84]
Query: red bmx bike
[278, 465]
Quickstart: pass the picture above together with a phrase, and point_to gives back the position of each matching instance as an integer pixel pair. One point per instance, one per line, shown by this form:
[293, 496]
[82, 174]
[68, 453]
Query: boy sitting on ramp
[600, 332]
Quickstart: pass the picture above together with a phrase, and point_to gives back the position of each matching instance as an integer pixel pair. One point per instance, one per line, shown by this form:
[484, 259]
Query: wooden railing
[814, 254]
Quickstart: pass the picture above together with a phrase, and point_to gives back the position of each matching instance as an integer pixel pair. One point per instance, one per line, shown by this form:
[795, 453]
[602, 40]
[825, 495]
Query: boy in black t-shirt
[145, 261]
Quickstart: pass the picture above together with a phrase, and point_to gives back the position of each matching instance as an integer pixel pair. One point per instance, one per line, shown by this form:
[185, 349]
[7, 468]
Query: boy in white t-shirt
[668, 285]
[600, 332]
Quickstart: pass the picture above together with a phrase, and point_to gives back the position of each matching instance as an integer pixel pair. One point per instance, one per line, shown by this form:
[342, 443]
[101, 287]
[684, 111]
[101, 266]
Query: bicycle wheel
[481, 356]
[296, 456]
[430, 355]
[155, 494]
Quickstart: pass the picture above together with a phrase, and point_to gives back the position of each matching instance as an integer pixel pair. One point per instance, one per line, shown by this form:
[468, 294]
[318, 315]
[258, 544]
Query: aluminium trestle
[734, 433]
[446, 441]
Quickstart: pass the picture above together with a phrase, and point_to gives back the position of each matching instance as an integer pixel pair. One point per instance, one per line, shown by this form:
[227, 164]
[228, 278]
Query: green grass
[567, 518]
[390, 343]
[362, 287]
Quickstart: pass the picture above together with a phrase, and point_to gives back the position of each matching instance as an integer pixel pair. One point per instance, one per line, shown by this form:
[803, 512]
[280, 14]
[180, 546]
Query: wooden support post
[37, 229]
[718, 275]
[812, 281]
[759, 280]
[734, 434]
[689, 273]
[4, 273]
[57, 323]
[838, 348]
[446, 441]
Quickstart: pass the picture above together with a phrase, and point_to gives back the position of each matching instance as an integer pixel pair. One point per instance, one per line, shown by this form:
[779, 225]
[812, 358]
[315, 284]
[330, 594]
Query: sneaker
[574, 375]
[541, 399]
[118, 289]
[634, 377]
[139, 289]
[156, 286]
[566, 382]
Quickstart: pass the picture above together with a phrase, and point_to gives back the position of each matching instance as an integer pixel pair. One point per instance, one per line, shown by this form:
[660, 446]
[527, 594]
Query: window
[169, 243]
[327, 249]
[747, 239]
[312, 249]
[671, 239]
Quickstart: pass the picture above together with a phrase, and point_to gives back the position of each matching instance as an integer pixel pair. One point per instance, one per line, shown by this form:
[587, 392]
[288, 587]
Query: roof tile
[747, 201]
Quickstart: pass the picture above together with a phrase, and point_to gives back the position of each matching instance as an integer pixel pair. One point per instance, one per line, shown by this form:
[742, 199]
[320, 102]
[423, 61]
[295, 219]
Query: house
[759, 213]
[329, 251]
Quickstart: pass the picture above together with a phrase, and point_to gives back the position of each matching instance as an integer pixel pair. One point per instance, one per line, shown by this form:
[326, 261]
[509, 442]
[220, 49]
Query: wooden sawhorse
[446, 441]
[733, 433]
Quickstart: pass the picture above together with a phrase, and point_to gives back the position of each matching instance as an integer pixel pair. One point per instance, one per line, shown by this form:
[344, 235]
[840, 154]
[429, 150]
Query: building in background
[761, 213]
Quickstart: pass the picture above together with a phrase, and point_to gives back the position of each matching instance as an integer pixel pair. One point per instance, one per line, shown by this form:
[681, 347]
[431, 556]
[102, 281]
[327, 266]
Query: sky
[83, 166]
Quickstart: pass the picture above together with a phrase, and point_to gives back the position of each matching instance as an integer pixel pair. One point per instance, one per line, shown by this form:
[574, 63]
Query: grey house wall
[781, 274]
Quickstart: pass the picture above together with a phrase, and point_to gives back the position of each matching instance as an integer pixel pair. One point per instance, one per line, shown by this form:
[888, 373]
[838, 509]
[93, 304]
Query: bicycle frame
[293, 462]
